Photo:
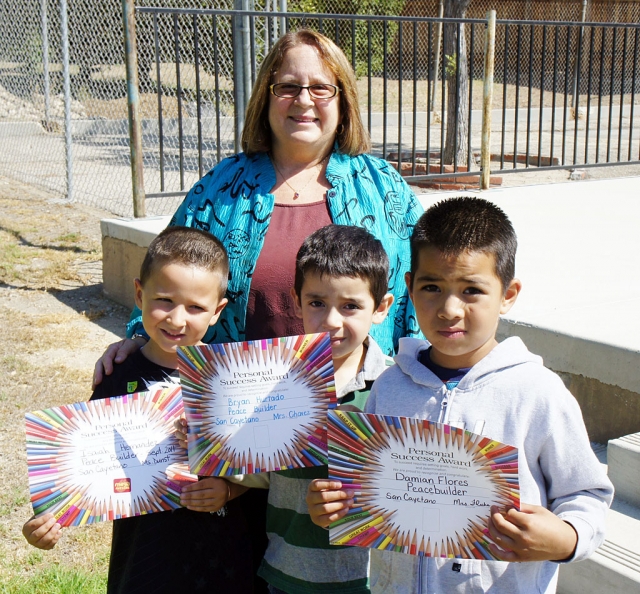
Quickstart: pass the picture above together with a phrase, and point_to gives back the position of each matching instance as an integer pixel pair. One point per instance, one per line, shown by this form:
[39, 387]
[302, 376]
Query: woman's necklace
[296, 193]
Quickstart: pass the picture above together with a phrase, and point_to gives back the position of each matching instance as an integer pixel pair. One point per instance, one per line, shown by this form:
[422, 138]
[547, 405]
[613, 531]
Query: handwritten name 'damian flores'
[440, 485]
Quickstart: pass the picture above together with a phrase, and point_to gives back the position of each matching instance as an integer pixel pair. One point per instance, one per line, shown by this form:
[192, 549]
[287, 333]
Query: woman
[304, 166]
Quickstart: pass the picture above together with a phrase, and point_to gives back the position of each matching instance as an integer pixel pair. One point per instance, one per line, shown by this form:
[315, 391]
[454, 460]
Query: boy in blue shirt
[462, 279]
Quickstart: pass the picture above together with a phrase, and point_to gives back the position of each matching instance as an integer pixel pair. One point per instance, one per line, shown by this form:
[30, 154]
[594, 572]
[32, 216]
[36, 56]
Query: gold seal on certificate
[419, 487]
[259, 405]
[107, 459]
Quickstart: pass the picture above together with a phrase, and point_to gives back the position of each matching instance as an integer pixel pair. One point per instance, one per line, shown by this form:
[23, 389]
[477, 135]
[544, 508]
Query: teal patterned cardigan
[233, 202]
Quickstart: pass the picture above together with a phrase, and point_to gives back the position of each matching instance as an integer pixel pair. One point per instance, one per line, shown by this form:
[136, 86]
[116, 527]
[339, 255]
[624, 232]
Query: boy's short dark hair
[342, 250]
[462, 224]
[189, 247]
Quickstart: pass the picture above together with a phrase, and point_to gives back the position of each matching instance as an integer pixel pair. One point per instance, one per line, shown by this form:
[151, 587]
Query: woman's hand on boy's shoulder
[42, 532]
[532, 534]
[116, 352]
[327, 501]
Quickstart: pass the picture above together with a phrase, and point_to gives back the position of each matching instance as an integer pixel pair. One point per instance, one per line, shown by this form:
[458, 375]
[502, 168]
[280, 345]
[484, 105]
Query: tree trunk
[457, 76]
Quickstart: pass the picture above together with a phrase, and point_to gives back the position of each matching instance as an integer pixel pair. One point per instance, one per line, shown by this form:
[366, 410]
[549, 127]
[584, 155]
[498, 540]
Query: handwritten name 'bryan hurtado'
[253, 377]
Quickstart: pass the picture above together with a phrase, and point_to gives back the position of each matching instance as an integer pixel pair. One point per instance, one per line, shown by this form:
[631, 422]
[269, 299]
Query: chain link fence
[92, 163]
[188, 77]
[35, 146]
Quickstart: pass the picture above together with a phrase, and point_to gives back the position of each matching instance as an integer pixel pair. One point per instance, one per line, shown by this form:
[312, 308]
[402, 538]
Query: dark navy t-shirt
[450, 377]
[180, 550]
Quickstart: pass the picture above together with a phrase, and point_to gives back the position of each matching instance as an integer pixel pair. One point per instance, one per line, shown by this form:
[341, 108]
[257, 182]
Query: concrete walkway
[578, 257]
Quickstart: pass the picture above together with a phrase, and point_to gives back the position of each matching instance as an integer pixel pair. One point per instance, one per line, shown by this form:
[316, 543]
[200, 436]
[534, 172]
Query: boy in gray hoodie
[462, 279]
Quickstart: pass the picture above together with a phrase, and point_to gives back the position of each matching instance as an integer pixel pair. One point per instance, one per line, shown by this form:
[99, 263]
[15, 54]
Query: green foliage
[371, 7]
[10, 256]
[55, 580]
[33, 53]
[450, 65]
[344, 34]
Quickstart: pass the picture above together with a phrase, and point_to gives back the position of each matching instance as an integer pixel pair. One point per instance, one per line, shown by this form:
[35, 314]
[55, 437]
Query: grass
[69, 238]
[56, 580]
[10, 257]
[11, 501]
[40, 257]
[30, 381]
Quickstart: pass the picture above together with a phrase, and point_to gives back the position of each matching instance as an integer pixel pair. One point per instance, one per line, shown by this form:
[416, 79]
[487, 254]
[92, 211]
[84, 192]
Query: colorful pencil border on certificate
[356, 442]
[308, 361]
[53, 482]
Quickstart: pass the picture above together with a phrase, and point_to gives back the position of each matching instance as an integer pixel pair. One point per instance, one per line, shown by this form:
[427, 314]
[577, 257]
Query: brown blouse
[270, 309]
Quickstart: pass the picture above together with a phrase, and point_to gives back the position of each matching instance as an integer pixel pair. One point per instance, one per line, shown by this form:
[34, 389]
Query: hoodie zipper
[443, 416]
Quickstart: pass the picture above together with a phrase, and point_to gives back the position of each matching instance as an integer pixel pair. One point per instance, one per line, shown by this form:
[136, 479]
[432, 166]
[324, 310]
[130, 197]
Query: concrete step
[623, 456]
[615, 567]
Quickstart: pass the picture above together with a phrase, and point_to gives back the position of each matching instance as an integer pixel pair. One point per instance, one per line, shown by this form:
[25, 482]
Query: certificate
[107, 459]
[259, 405]
[421, 488]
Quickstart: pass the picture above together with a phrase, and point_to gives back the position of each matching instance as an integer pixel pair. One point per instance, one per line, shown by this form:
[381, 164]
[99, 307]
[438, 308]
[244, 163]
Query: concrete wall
[599, 375]
[124, 245]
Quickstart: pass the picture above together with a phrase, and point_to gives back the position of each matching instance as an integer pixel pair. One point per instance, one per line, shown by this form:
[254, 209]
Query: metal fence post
[436, 64]
[66, 81]
[241, 67]
[246, 51]
[133, 105]
[45, 63]
[238, 75]
[282, 7]
[487, 100]
[574, 99]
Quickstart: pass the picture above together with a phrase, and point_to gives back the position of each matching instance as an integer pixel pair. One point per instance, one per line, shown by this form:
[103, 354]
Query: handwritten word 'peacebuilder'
[441, 485]
[240, 414]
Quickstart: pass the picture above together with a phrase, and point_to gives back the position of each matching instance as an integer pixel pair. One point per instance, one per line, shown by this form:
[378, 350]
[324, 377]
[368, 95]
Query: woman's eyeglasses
[291, 90]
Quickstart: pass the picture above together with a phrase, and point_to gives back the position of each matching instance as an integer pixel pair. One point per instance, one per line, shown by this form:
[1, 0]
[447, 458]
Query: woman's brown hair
[351, 136]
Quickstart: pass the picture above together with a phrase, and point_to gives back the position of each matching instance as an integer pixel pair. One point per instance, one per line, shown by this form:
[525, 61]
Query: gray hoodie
[510, 397]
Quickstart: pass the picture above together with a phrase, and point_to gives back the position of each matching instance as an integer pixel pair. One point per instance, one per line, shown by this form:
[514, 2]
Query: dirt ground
[56, 323]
